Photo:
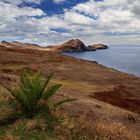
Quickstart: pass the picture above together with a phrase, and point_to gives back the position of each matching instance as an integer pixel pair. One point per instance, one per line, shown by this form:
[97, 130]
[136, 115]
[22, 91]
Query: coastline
[119, 58]
[92, 61]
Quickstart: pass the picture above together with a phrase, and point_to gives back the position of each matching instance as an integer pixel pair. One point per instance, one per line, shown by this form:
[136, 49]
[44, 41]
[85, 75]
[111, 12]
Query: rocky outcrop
[97, 47]
[74, 45]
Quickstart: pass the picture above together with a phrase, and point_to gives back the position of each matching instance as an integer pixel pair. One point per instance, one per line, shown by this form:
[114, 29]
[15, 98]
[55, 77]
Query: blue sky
[51, 7]
[55, 21]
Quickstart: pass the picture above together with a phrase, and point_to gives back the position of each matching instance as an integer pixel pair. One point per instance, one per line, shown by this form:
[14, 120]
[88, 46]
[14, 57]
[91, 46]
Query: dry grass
[76, 122]
[76, 86]
[115, 130]
[11, 66]
[83, 127]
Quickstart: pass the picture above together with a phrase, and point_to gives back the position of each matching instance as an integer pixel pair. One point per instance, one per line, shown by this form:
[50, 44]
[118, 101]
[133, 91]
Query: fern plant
[32, 90]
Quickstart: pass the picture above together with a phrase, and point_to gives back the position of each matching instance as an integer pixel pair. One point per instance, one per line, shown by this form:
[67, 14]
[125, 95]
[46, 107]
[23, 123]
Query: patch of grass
[32, 96]
[64, 128]
[36, 136]
[11, 66]
[68, 127]
[75, 85]
[24, 133]
[19, 129]
[73, 128]
[32, 129]
[2, 131]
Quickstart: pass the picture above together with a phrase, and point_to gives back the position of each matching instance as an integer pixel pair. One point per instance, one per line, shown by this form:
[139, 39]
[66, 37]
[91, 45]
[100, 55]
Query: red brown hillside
[74, 45]
[121, 96]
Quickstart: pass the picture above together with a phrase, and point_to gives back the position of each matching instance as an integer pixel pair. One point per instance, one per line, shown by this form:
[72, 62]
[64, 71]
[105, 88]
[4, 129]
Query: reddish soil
[120, 97]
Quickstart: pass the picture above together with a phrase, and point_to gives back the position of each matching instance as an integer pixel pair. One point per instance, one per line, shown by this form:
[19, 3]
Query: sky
[50, 22]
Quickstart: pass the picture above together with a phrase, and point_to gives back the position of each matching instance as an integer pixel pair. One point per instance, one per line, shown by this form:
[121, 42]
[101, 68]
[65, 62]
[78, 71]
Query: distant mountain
[74, 45]
[16, 44]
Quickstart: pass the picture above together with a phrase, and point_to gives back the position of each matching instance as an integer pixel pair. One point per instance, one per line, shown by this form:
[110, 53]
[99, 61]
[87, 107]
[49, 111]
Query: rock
[74, 45]
[91, 48]
[97, 47]
[4, 42]
[131, 118]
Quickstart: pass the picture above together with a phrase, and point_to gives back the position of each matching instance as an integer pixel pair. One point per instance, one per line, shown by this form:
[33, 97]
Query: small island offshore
[107, 104]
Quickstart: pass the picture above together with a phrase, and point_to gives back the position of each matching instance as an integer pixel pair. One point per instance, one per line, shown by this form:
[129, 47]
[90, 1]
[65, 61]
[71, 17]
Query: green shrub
[32, 90]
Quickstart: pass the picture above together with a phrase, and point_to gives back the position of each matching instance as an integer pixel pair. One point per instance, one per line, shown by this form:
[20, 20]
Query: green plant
[32, 90]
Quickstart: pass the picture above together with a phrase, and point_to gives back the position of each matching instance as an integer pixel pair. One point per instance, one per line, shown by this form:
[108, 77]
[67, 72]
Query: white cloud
[77, 18]
[58, 1]
[33, 1]
[8, 11]
[112, 16]
[17, 2]
[110, 22]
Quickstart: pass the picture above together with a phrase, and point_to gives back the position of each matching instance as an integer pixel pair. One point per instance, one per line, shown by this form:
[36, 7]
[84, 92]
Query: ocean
[125, 58]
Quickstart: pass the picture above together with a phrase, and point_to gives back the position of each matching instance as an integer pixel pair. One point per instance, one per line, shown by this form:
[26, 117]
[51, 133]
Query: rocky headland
[74, 45]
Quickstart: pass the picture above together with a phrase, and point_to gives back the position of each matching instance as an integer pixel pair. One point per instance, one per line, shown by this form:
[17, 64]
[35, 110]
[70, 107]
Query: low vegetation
[30, 112]
[33, 97]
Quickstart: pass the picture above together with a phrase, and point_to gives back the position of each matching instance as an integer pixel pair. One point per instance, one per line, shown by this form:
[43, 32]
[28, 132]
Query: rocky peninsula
[74, 45]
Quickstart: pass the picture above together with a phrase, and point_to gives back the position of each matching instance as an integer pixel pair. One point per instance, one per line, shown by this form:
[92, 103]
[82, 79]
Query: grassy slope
[85, 119]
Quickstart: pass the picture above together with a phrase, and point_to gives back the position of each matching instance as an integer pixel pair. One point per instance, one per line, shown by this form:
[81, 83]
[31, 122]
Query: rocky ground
[108, 100]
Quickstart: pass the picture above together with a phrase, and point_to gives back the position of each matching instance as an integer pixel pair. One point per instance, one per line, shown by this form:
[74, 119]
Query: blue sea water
[125, 58]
